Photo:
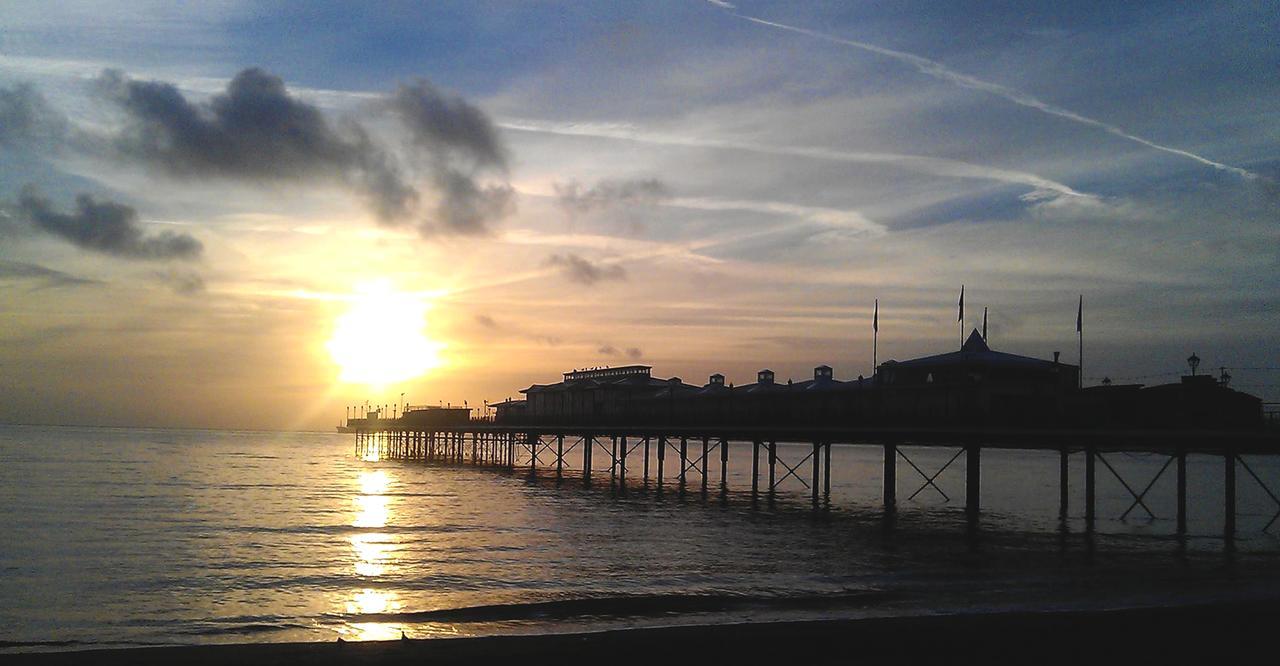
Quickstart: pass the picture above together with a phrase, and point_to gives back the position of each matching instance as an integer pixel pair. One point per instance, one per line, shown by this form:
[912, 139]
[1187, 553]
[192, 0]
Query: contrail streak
[939, 71]
[931, 165]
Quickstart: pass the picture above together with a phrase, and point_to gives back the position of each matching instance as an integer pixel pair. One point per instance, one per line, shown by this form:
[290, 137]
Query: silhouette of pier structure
[650, 433]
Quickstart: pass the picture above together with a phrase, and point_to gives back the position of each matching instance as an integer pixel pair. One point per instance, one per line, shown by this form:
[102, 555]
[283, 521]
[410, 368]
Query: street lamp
[1194, 362]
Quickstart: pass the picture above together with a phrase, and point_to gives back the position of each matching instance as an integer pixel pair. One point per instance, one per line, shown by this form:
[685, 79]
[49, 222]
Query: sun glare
[381, 339]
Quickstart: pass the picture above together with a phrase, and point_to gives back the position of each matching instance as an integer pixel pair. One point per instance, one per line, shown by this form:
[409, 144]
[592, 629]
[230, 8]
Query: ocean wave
[239, 629]
[629, 606]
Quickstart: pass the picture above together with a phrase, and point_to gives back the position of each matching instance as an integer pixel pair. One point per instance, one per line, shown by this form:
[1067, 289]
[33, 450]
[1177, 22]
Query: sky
[254, 215]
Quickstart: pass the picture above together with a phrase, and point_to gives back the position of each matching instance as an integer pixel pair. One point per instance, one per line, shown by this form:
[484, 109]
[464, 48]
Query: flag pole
[961, 317]
[1080, 333]
[984, 324]
[875, 337]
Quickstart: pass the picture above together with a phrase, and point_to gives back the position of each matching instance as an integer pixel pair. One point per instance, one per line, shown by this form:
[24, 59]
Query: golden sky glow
[710, 194]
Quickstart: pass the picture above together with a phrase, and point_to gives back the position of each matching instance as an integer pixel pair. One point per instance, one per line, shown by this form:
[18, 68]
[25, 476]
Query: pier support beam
[588, 443]
[817, 470]
[724, 465]
[826, 464]
[973, 480]
[646, 460]
[662, 456]
[559, 455]
[773, 467]
[684, 459]
[890, 476]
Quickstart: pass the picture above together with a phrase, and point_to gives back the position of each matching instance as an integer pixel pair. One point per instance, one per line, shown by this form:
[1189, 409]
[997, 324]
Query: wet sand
[1208, 633]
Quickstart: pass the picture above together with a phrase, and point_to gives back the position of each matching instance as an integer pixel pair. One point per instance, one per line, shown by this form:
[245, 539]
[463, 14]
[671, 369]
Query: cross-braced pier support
[786, 454]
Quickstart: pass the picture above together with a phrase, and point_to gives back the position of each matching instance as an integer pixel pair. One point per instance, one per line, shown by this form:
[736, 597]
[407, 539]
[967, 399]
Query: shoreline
[1175, 633]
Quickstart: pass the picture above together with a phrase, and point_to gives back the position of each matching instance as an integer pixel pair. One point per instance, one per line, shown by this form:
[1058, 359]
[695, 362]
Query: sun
[381, 339]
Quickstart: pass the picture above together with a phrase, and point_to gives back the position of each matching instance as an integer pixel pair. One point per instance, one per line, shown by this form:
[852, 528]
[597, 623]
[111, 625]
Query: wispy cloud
[583, 271]
[834, 217]
[577, 198]
[42, 276]
[935, 166]
[942, 72]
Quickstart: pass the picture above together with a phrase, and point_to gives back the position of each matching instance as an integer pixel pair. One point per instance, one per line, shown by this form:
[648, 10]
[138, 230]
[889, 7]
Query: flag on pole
[1080, 315]
[984, 324]
[961, 304]
[875, 318]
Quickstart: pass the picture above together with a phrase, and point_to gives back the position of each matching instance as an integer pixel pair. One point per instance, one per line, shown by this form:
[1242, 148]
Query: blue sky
[740, 191]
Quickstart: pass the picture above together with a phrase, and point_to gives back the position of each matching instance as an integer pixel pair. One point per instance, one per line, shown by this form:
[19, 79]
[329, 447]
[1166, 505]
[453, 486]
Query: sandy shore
[1204, 634]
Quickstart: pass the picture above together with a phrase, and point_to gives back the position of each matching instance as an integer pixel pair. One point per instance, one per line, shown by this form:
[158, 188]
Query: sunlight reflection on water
[371, 550]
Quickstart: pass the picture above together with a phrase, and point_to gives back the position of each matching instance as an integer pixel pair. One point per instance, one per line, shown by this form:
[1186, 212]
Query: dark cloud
[486, 321]
[465, 206]
[632, 353]
[105, 226]
[583, 271]
[452, 177]
[186, 283]
[42, 276]
[577, 199]
[27, 120]
[458, 144]
[448, 126]
[255, 130]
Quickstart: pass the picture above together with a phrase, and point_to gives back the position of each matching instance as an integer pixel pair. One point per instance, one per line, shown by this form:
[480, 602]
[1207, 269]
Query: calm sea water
[113, 537]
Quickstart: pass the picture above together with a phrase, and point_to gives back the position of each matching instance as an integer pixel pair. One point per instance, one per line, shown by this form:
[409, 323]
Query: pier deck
[546, 446]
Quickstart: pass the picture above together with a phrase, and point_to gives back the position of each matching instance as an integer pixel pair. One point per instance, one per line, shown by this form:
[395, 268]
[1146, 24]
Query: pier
[695, 459]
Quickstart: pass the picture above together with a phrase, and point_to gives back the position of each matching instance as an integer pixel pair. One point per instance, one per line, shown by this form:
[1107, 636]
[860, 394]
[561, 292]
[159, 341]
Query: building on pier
[974, 386]
[594, 394]
[977, 385]
[420, 416]
[1197, 401]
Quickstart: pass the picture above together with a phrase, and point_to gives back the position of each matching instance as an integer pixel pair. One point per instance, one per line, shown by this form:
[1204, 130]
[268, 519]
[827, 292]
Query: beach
[1206, 633]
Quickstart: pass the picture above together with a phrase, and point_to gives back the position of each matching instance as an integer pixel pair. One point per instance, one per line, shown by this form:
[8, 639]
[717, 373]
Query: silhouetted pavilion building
[976, 385]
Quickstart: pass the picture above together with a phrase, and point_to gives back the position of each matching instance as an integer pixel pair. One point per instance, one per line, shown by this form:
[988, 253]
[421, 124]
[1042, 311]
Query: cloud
[486, 321]
[255, 130]
[577, 199]
[935, 166]
[458, 144]
[185, 283]
[940, 71]
[448, 126]
[633, 353]
[465, 206]
[583, 271]
[26, 119]
[46, 277]
[106, 227]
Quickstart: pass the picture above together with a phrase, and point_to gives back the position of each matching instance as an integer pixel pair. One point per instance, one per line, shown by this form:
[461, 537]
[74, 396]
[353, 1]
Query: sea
[139, 537]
